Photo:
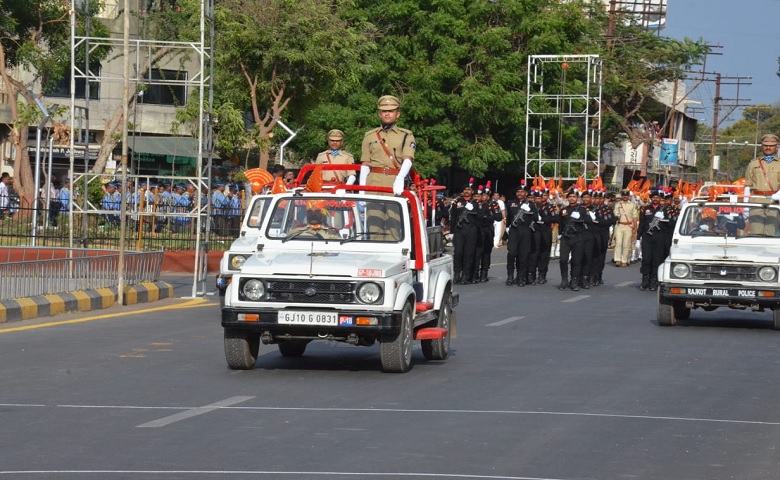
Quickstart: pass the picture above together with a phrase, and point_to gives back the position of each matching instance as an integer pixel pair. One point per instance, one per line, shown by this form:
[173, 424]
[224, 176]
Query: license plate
[722, 292]
[308, 317]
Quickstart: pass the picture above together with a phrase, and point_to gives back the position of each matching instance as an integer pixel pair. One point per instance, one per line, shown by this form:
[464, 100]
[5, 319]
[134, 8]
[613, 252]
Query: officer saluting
[386, 158]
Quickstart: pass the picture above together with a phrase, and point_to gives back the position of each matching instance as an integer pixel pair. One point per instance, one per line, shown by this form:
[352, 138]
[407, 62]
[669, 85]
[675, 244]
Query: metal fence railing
[60, 270]
[147, 231]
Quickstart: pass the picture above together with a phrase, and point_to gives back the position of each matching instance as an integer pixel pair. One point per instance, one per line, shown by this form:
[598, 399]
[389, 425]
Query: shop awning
[176, 150]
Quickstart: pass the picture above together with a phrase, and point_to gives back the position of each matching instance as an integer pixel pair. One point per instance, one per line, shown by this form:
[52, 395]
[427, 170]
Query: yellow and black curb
[81, 301]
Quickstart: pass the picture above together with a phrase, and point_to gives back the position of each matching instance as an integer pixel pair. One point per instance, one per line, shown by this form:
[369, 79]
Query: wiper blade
[353, 237]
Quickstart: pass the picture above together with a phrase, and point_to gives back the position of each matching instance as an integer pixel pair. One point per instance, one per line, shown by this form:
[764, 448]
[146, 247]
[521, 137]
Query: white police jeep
[353, 267]
[725, 253]
[246, 243]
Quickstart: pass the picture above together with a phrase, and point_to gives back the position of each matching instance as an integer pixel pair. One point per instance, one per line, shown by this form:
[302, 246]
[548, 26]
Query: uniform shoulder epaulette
[404, 130]
[372, 131]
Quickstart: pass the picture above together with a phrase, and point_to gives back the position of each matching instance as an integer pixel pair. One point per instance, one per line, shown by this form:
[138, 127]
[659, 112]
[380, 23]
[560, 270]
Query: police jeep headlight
[253, 289]
[767, 274]
[237, 261]
[680, 270]
[369, 292]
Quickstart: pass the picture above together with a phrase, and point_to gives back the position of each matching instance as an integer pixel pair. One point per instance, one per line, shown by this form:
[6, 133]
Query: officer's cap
[112, 184]
[166, 184]
[335, 135]
[388, 102]
[656, 193]
[234, 186]
[221, 184]
[625, 192]
[179, 185]
[769, 139]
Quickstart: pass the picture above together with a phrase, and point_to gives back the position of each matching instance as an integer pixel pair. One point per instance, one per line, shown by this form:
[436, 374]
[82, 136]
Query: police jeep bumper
[312, 323]
[754, 297]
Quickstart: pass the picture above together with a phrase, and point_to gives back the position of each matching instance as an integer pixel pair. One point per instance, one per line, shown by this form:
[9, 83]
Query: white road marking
[575, 299]
[504, 321]
[624, 284]
[409, 410]
[177, 417]
[272, 474]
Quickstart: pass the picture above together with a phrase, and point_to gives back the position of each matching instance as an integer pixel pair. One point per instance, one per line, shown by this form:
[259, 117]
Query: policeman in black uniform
[571, 221]
[653, 240]
[547, 216]
[488, 212]
[521, 216]
[605, 218]
[588, 239]
[465, 233]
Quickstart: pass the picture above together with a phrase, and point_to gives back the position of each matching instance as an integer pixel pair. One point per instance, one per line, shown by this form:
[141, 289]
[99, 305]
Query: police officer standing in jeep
[387, 155]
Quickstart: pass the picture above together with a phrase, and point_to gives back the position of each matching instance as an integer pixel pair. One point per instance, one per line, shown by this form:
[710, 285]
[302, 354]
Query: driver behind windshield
[316, 226]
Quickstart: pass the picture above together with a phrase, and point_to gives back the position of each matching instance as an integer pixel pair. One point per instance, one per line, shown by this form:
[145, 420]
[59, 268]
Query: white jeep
[358, 267]
[246, 243]
[725, 253]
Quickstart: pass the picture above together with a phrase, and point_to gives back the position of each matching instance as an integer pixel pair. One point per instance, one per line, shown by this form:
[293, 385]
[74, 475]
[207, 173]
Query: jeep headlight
[680, 270]
[369, 292]
[253, 289]
[237, 261]
[767, 274]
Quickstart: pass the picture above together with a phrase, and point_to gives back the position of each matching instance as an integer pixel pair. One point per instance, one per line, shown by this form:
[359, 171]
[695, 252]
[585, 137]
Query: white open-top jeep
[725, 253]
[326, 267]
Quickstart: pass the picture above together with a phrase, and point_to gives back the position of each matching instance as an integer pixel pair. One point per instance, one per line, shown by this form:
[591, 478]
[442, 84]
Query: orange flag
[279, 186]
[315, 180]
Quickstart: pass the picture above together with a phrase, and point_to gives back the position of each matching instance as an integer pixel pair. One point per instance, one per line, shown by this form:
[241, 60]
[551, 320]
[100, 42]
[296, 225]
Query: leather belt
[626, 223]
[762, 192]
[385, 170]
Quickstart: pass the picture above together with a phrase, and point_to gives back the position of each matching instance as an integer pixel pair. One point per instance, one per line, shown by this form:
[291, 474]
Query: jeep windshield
[310, 218]
[733, 220]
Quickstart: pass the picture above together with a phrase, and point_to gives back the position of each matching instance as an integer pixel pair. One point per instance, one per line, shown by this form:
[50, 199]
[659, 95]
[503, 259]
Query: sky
[749, 34]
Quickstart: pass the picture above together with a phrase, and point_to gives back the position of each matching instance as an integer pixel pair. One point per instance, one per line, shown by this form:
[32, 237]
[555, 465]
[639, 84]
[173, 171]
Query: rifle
[655, 224]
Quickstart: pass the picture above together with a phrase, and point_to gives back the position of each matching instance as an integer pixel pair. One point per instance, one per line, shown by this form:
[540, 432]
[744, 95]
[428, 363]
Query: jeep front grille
[733, 273]
[296, 291]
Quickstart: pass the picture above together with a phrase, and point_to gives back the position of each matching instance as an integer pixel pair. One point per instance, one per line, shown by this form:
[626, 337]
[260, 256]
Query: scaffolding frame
[580, 108]
[200, 82]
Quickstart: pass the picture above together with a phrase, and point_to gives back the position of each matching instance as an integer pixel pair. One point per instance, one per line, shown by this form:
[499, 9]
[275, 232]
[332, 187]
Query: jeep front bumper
[722, 295]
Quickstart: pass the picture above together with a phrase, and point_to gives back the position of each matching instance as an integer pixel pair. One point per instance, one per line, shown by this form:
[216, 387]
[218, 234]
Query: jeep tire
[395, 352]
[666, 313]
[292, 348]
[439, 349]
[241, 347]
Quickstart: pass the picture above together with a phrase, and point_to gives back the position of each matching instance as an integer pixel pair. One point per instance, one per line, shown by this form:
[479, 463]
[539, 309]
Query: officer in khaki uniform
[627, 216]
[335, 155]
[762, 177]
[387, 155]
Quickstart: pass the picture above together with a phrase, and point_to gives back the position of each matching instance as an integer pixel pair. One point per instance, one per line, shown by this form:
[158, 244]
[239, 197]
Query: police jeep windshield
[734, 220]
[309, 218]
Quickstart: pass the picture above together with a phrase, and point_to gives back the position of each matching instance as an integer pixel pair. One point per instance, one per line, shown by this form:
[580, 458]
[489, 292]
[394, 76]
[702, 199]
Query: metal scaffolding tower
[144, 55]
[563, 116]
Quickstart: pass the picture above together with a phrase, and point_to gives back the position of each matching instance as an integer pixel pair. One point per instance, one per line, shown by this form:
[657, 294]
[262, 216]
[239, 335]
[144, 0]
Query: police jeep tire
[681, 312]
[439, 349]
[395, 352]
[666, 313]
[292, 348]
[241, 347]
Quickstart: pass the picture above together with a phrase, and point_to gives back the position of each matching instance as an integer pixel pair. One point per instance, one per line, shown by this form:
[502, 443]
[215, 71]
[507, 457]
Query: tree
[274, 54]
[35, 37]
